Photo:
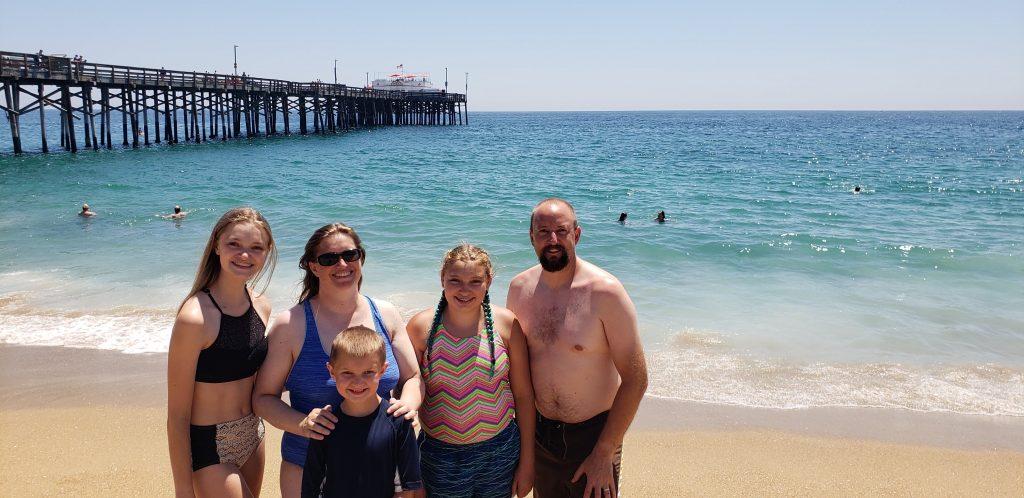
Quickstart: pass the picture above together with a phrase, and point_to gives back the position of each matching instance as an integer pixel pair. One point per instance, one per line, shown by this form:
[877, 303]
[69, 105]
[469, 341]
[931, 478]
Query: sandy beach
[84, 422]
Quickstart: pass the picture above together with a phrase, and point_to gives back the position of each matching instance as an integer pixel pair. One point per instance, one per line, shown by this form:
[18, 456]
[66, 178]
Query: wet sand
[91, 423]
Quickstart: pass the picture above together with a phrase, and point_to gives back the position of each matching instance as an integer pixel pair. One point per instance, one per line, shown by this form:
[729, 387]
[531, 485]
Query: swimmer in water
[622, 218]
[86, 212]
[856, 189]
[661, 217]
[177, 215]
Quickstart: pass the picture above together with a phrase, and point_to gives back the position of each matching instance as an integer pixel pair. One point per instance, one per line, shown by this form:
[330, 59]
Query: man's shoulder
[598, 279]
[606, 291]
[531, 274]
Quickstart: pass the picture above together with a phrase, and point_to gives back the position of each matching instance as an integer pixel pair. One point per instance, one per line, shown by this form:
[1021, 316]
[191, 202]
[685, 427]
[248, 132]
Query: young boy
[359, 457]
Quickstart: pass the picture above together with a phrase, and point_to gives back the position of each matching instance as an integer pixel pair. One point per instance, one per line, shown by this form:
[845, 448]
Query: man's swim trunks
[561, 449]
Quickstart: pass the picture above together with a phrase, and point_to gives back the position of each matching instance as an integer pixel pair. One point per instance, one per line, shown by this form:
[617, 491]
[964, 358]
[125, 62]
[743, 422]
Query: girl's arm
[266, 394]
[187, 341]
[526, 410]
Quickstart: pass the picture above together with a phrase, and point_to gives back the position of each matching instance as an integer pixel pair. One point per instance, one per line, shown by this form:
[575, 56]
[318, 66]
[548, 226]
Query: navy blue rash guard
[359, 457]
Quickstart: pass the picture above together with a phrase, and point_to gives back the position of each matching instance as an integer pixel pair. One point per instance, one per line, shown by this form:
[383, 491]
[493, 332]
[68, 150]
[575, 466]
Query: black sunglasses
[331, 258]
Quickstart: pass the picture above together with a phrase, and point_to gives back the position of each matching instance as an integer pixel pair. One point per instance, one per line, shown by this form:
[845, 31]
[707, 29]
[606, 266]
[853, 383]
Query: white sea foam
[697, 366]
[694, 365]
[129, 330]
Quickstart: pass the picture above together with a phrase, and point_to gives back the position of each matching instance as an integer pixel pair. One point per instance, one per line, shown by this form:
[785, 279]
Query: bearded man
[586, 359]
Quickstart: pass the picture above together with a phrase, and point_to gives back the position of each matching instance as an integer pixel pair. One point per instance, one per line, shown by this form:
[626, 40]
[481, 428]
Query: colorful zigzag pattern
[465, 403]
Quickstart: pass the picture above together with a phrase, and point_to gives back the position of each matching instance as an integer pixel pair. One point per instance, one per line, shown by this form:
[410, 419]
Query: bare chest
[562, 324]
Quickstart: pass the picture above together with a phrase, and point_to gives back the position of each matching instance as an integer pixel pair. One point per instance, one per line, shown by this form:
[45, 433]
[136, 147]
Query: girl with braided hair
[478, 416]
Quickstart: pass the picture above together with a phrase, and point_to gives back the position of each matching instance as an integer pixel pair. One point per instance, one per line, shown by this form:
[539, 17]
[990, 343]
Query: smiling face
[554, 234]
[242, 249]
[465, 283]
[342, 274]
[356, 377]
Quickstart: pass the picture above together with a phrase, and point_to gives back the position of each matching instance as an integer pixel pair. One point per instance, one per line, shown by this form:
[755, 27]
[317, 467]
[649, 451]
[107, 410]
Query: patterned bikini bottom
[229, 442]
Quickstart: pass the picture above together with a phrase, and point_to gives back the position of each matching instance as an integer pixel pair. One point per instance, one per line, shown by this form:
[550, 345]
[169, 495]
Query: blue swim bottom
[478, 470]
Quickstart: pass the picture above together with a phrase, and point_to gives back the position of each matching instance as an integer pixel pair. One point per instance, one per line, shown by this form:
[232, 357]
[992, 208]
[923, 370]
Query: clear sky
[557, 55]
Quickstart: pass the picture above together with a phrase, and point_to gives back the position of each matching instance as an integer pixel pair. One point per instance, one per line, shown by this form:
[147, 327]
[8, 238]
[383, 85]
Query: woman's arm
[187, 340]
[282, 351]
[409, 380]
[526, 410]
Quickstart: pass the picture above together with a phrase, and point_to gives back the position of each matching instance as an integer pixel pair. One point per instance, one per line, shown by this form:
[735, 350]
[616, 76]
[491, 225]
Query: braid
[438, 313]
[489, 324]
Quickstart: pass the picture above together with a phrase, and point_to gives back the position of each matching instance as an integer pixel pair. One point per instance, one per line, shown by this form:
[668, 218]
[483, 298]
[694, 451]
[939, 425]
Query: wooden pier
[164, 106]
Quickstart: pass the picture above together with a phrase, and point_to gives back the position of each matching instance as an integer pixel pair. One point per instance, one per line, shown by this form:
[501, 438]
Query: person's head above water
[177, 209]
[622, 217]
[85, 208]
[661, 216]
[857, 188]
[554, 232]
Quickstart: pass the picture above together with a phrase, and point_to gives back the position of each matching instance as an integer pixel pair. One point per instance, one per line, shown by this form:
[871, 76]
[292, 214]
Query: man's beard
[552, 265]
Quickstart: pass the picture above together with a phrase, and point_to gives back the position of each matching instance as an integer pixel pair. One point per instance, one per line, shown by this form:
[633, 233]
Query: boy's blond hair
[358, 342]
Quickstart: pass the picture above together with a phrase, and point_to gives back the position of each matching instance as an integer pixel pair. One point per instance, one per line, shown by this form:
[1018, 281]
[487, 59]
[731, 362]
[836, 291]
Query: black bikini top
[238, 351]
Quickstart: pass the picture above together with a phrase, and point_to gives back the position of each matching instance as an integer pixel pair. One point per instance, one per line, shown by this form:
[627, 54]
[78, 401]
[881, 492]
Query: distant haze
[577, 55]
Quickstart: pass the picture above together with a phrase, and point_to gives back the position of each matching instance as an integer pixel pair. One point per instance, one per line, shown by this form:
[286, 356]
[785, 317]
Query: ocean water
[772, 284]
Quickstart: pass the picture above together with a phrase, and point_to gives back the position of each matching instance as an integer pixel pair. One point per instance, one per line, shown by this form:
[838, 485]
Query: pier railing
[34, 67]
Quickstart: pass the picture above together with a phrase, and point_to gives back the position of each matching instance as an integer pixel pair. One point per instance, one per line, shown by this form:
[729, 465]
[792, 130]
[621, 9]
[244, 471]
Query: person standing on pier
[586, 359]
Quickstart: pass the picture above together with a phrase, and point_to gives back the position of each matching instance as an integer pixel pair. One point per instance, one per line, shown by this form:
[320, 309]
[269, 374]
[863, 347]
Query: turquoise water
[772, 284]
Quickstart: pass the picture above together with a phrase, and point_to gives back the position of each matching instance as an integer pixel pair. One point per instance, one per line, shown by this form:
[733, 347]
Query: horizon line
[1021, 109]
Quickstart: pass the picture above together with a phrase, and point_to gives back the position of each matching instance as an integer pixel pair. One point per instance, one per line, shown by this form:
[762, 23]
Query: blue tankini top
[310, 386]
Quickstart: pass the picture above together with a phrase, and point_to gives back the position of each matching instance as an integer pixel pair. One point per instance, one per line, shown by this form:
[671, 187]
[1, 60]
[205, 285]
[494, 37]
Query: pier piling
[210, 105]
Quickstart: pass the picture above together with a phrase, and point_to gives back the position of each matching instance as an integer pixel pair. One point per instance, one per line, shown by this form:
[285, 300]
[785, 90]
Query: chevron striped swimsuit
[470, 444]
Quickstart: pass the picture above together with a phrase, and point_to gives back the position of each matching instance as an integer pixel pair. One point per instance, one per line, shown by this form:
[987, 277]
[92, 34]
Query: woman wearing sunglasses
[329, 303]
